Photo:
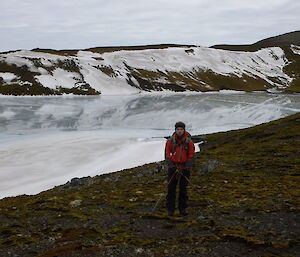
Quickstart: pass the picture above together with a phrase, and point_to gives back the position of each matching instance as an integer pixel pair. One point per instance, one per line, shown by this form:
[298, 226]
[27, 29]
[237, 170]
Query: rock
[209, 166]
[145, 172]
[112, 179]
[76, 182]
[159, 168]
[139, 250]
[75, 203]
[108, 179]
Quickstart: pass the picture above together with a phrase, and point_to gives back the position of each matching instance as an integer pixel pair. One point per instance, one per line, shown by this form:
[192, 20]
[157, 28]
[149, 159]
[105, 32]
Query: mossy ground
[248, 205]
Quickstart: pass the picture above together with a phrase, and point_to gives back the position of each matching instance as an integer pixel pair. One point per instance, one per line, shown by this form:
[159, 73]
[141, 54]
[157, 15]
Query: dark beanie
[179, 124]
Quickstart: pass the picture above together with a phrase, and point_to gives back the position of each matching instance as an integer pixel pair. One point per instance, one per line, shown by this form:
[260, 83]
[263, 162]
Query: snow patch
[7, 76]
[59, 78]
[295, 49]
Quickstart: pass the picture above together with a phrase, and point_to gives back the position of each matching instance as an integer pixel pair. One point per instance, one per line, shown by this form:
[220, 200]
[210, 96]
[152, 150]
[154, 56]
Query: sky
[80, 24]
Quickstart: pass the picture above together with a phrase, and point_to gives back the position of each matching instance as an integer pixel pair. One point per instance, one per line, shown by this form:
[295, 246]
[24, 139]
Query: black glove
[170, 163]
[188, 164]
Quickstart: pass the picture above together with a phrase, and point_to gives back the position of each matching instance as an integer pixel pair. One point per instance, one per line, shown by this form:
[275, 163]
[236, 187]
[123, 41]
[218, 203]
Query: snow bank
[265, 64]
[59, 77]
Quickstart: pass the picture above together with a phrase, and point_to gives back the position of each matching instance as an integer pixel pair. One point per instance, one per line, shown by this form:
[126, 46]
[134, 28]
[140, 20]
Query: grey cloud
[86, 23]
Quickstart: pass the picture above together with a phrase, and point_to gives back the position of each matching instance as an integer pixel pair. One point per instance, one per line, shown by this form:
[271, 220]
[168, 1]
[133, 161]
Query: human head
[179, 128]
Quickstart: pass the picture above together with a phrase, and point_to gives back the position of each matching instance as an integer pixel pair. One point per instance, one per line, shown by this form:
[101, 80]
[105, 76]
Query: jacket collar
[181, 139]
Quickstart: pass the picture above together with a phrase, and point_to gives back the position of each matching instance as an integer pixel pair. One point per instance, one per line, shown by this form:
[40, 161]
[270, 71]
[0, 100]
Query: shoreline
[159, 93]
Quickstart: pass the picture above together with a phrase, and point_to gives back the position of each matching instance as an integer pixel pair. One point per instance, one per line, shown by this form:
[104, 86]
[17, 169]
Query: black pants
[183, 182]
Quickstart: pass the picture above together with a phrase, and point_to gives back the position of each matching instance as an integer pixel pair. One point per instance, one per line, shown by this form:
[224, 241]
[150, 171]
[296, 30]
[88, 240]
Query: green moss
[108, 70]
[72, 248]
[238, 233]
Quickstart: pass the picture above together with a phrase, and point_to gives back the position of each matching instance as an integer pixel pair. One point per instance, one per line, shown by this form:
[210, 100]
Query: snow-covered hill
[131, 71]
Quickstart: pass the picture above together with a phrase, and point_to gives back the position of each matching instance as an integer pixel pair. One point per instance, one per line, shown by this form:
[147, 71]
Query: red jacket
[180, 155]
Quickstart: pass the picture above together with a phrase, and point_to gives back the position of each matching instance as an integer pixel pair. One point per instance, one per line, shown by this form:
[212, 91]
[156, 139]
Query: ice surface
[46, 141]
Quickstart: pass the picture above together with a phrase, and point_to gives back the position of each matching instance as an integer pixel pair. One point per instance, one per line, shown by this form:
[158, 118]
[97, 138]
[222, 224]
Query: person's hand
[188, 164]
[170, 163]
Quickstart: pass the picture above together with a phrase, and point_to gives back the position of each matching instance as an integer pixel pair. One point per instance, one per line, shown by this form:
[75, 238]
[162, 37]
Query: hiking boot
[170, 213]
[183, 213]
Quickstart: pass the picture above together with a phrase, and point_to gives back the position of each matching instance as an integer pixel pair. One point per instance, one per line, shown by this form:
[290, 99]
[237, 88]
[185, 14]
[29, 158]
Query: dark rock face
[77, 182]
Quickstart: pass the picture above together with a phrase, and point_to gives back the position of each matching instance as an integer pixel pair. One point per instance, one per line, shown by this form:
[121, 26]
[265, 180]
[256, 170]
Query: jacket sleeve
[191, 150]
[168, 148]
[190, 158]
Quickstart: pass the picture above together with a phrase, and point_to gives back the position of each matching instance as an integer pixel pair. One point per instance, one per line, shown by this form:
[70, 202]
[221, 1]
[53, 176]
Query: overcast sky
[67, 24]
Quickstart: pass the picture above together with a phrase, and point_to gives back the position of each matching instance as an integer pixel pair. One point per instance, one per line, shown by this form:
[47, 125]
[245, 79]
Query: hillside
[289, 42]
[244, 201]
[284, 40]
[132, 69]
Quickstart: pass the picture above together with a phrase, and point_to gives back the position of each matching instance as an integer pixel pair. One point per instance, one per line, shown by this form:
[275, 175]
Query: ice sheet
[46, 141]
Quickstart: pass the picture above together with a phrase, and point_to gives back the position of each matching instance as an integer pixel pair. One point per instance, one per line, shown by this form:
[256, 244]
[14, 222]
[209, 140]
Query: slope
[288, 42]
[243, 202]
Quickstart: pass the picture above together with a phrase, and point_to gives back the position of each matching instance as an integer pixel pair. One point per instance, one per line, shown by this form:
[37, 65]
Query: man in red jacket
[179, 153]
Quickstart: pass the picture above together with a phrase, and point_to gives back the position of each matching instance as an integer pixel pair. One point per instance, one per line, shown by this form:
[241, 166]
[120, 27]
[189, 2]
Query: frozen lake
[46, 141]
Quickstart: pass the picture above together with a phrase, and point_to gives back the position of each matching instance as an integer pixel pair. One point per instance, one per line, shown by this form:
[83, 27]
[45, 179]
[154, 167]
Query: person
[179, 152]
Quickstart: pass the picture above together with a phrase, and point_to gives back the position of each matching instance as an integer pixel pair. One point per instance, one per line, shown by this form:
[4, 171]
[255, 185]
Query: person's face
[179, 131]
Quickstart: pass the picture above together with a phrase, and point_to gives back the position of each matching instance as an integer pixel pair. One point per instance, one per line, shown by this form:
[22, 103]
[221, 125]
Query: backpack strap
[186, 143]
[174, 143]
